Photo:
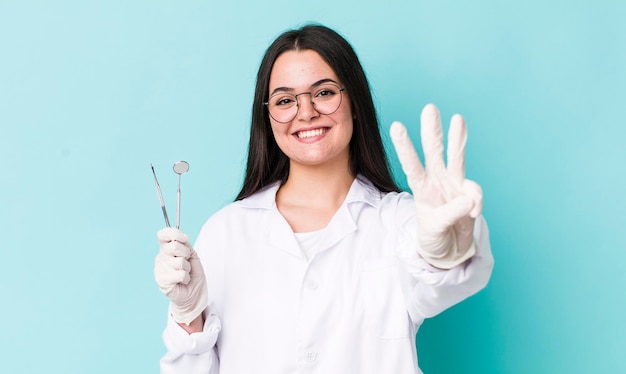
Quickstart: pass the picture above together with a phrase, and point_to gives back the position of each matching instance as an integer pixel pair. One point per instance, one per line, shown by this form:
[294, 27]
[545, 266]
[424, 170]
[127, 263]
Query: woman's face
[310, 138]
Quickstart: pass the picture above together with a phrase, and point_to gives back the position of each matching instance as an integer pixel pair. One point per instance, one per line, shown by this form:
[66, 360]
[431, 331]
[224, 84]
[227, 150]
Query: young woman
[322, 265]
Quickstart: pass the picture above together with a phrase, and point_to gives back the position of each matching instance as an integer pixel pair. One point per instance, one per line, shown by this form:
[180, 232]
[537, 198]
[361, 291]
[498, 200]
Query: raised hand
[447, 203]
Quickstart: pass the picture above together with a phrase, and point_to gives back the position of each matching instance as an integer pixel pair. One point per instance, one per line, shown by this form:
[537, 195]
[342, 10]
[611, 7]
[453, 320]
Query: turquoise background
[92, 92]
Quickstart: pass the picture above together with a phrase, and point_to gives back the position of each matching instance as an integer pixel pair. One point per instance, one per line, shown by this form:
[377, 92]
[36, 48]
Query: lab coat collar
[363, 190]
[280, 235]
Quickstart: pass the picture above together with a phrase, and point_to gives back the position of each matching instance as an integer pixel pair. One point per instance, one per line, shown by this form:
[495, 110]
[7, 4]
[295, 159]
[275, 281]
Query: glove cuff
[451, 259]
[187, 314]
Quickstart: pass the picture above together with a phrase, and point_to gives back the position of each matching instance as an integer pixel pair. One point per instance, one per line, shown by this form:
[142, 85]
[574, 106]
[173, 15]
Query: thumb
[169, 234]
[454, 210]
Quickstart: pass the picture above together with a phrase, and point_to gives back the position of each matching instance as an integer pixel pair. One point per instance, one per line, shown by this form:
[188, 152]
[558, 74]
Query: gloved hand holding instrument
[447, 204]
[177, 267]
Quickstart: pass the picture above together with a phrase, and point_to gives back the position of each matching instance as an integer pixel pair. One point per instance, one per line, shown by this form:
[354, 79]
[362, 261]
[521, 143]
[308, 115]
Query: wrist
[197, 325]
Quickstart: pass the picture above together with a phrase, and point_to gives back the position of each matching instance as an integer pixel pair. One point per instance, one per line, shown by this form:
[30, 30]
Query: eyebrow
[289, 89]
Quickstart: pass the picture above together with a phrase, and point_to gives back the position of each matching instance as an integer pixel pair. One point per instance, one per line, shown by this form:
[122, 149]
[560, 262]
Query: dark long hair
[267, 163]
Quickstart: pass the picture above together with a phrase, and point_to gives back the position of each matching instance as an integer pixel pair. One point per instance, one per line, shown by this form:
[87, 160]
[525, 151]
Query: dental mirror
[180, 168]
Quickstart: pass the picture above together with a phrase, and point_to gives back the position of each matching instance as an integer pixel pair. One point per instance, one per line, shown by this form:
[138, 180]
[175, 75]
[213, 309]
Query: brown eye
[326, 93]
[283, 100]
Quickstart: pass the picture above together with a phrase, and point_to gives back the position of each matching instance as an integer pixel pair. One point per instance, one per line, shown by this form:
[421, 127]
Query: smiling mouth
[311, 133]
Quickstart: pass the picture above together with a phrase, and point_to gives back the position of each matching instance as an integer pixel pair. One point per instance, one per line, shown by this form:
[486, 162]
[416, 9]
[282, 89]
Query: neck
[316, 186]
[312, 195]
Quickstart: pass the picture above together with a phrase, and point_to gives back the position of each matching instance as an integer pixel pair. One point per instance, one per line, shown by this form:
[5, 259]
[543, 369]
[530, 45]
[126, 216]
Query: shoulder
[241, 211]
[389, 206]
[364, 190]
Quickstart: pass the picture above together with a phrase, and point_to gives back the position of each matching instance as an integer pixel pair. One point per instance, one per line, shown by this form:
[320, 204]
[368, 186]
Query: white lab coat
[353, 307]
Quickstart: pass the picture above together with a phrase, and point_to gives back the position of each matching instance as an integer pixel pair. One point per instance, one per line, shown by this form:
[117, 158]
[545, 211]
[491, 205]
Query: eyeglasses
[326, 99]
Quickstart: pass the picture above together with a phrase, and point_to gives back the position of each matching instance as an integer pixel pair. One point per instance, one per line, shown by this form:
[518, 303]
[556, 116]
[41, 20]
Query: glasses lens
[283, 107]
[327, 99]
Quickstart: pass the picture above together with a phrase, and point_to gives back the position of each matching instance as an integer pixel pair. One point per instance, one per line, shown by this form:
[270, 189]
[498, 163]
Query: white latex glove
[447, 203]
[179, 274]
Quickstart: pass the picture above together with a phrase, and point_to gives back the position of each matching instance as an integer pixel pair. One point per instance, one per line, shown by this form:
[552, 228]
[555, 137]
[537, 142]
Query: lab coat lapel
[280, 235]
[276, 232]
[343, 223]
[340, 226]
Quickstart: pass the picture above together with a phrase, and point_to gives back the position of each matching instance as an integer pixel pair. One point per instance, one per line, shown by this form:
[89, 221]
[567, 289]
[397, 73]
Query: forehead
[299, 69]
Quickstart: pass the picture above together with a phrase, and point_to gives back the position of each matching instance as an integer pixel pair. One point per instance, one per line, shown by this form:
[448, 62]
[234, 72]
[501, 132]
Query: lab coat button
[312, 285]
[310, 356]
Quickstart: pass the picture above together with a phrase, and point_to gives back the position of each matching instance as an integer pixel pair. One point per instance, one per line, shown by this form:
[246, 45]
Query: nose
[306, 109]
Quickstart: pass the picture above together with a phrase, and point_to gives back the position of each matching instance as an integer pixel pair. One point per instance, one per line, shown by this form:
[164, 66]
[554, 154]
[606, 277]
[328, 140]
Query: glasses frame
[341, 89]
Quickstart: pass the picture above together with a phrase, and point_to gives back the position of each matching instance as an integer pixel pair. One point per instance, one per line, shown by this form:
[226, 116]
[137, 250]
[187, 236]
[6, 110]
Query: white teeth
[310, 133]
